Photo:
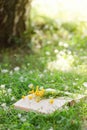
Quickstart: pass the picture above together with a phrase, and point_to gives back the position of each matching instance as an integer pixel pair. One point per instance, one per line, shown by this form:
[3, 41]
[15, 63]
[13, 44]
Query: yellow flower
[23, 97]
[37, 88]
[31, 92]
[41, 93]
[37, 93]
[30, 97]
[51, 101]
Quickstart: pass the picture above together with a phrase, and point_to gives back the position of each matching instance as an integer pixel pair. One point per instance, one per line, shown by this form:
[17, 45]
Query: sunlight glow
[63, 9]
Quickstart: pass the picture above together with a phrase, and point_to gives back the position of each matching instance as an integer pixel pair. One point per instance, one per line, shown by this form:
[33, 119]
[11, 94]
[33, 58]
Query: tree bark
[12, 20]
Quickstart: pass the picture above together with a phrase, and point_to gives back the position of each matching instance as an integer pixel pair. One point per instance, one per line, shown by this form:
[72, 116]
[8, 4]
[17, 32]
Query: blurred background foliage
[21, 20]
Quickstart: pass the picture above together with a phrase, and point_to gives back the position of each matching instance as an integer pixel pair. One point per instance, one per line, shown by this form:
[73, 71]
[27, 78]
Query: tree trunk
[12, 20]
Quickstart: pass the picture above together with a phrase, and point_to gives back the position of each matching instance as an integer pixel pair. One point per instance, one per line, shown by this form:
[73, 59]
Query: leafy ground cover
[58, 59]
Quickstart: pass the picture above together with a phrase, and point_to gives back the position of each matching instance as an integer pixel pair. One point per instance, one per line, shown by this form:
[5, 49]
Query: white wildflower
[19, 115]
[69, 52]
[65, 45]
[61, 53]
[60, 43]
[4, 106]
[48, 42]
[45, 71]
[74, 83]
[9, 90]
[4, 71]
[2, 86]
[28, 64]
[38, 46]
[47, 53]
[51, 73]
[41, 87]
[21, 79]
[55, 51]
[41, 75]
[31, 72]
[16, 68]
[23, 119]
[50, 90]
[11, 72]
[12, 98]
[85, 84]
[38, 127]
[30, 85]
[52, 81]
[51, 128]
[5, 93]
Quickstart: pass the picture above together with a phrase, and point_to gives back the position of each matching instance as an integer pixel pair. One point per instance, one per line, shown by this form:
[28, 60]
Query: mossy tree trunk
[12, 20]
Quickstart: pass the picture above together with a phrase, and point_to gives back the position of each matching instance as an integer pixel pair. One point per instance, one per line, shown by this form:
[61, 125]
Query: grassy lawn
[58, 59]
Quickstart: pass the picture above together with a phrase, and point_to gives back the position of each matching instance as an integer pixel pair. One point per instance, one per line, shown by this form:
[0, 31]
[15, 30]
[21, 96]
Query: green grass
[33, 66]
